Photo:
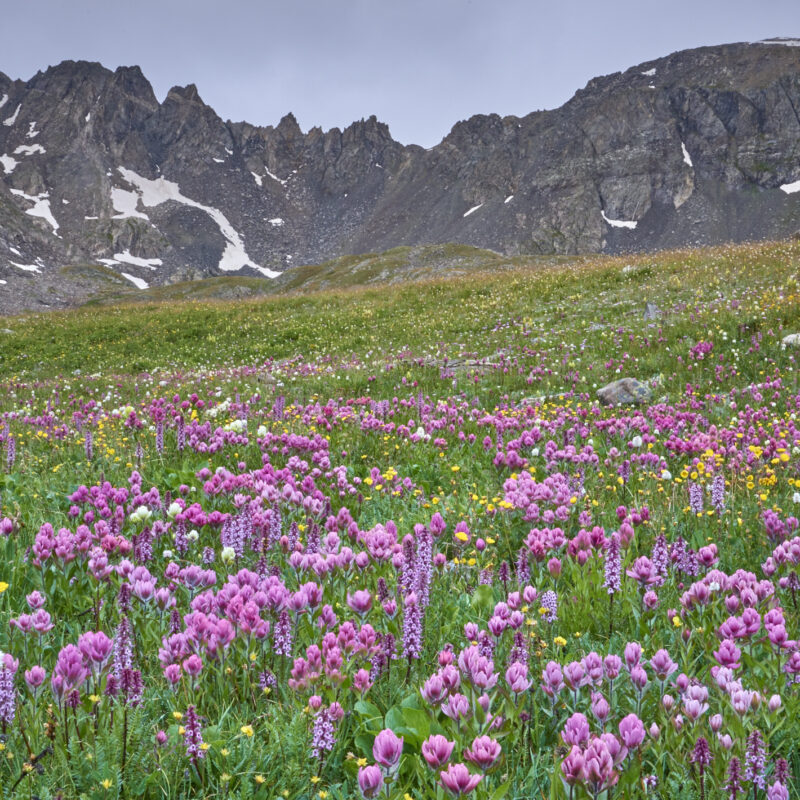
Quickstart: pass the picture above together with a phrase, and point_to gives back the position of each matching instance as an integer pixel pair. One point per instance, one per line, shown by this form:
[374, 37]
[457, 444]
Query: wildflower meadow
[388, 543]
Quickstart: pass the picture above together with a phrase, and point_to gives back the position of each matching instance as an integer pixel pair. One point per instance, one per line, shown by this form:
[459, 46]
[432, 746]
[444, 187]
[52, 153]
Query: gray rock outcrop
[699, 147]
[624, 392]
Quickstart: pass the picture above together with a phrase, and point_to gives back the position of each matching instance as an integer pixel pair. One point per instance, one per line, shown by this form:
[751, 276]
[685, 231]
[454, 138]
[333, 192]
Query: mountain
[103, 185]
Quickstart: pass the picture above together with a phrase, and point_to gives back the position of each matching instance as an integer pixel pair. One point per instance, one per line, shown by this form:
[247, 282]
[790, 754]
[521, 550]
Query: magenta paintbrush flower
[662, 665]
[728, 654]
[69, 672]
[35, 677]
[600, 707]
[96, 649]
[517, 678]
[360, 601]
[458, 780]
[434, 690]
[576, 730]
[777, 791]
[631, 731]
[484, 752]
[193, 665]
[41, 621]
[644, 572]
[572, 767]
[436, 750]
[387, 749]
[370, 781]
[599, 767]
[552, 679]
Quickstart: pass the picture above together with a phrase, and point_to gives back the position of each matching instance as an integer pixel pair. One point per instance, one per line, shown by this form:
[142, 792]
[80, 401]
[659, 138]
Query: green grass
[562, 306]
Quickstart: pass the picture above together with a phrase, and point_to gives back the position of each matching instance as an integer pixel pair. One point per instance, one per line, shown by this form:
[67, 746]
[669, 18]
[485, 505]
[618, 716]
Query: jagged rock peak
[78, 70]
[288, 126]
[69, 77]
[132, 81]
[187, 93]
[370, 128]
[697, 147]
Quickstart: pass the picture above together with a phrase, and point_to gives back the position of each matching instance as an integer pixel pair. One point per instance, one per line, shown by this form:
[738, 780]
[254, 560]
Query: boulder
[625, 391]
[651, 311]
[792, 340]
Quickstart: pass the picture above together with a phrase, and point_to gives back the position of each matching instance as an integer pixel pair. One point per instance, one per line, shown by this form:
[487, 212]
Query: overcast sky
[419, 65]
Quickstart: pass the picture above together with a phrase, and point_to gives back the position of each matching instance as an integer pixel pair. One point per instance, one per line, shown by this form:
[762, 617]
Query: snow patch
[687, 159]
[276, 223]
[229, 152]
[127, 258]
[87, 117]
[155, 192]
[281, 181]
[791, 188]
[509, 198]
[125, 203]
[9, 121]
[257, 178]
[3, 283]
[91, 217]
[650, 72]
[15, 251]
[785, 42]
[472, 210]
[8, 163]
[41, 208]
[65, 201]
[32, 132]
[619, 223]
[137, 282]
[3, 100]
[219, 160]
[29, 149]
[28, 267]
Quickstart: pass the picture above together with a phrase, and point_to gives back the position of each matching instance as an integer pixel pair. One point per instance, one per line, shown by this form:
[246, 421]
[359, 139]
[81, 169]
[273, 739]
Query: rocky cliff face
[700, 147]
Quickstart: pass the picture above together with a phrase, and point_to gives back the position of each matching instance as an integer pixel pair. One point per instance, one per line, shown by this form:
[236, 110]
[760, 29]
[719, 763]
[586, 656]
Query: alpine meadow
[406, 541]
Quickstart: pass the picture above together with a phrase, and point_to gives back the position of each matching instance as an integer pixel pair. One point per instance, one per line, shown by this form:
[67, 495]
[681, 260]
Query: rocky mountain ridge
[699, 147]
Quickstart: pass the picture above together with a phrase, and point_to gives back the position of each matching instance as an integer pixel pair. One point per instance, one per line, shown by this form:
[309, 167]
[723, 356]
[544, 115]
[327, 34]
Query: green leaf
[368, 710]
[394, 718]
[501, 791]
[483, 598]
[416, 719]
[412, 701]
[364, 743]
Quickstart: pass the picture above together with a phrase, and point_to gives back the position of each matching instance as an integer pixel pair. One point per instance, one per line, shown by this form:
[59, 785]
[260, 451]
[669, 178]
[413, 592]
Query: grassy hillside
[553, 308]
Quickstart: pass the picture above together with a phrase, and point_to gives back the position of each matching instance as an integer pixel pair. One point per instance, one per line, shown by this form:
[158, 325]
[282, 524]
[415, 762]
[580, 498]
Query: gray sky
[419, 65]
